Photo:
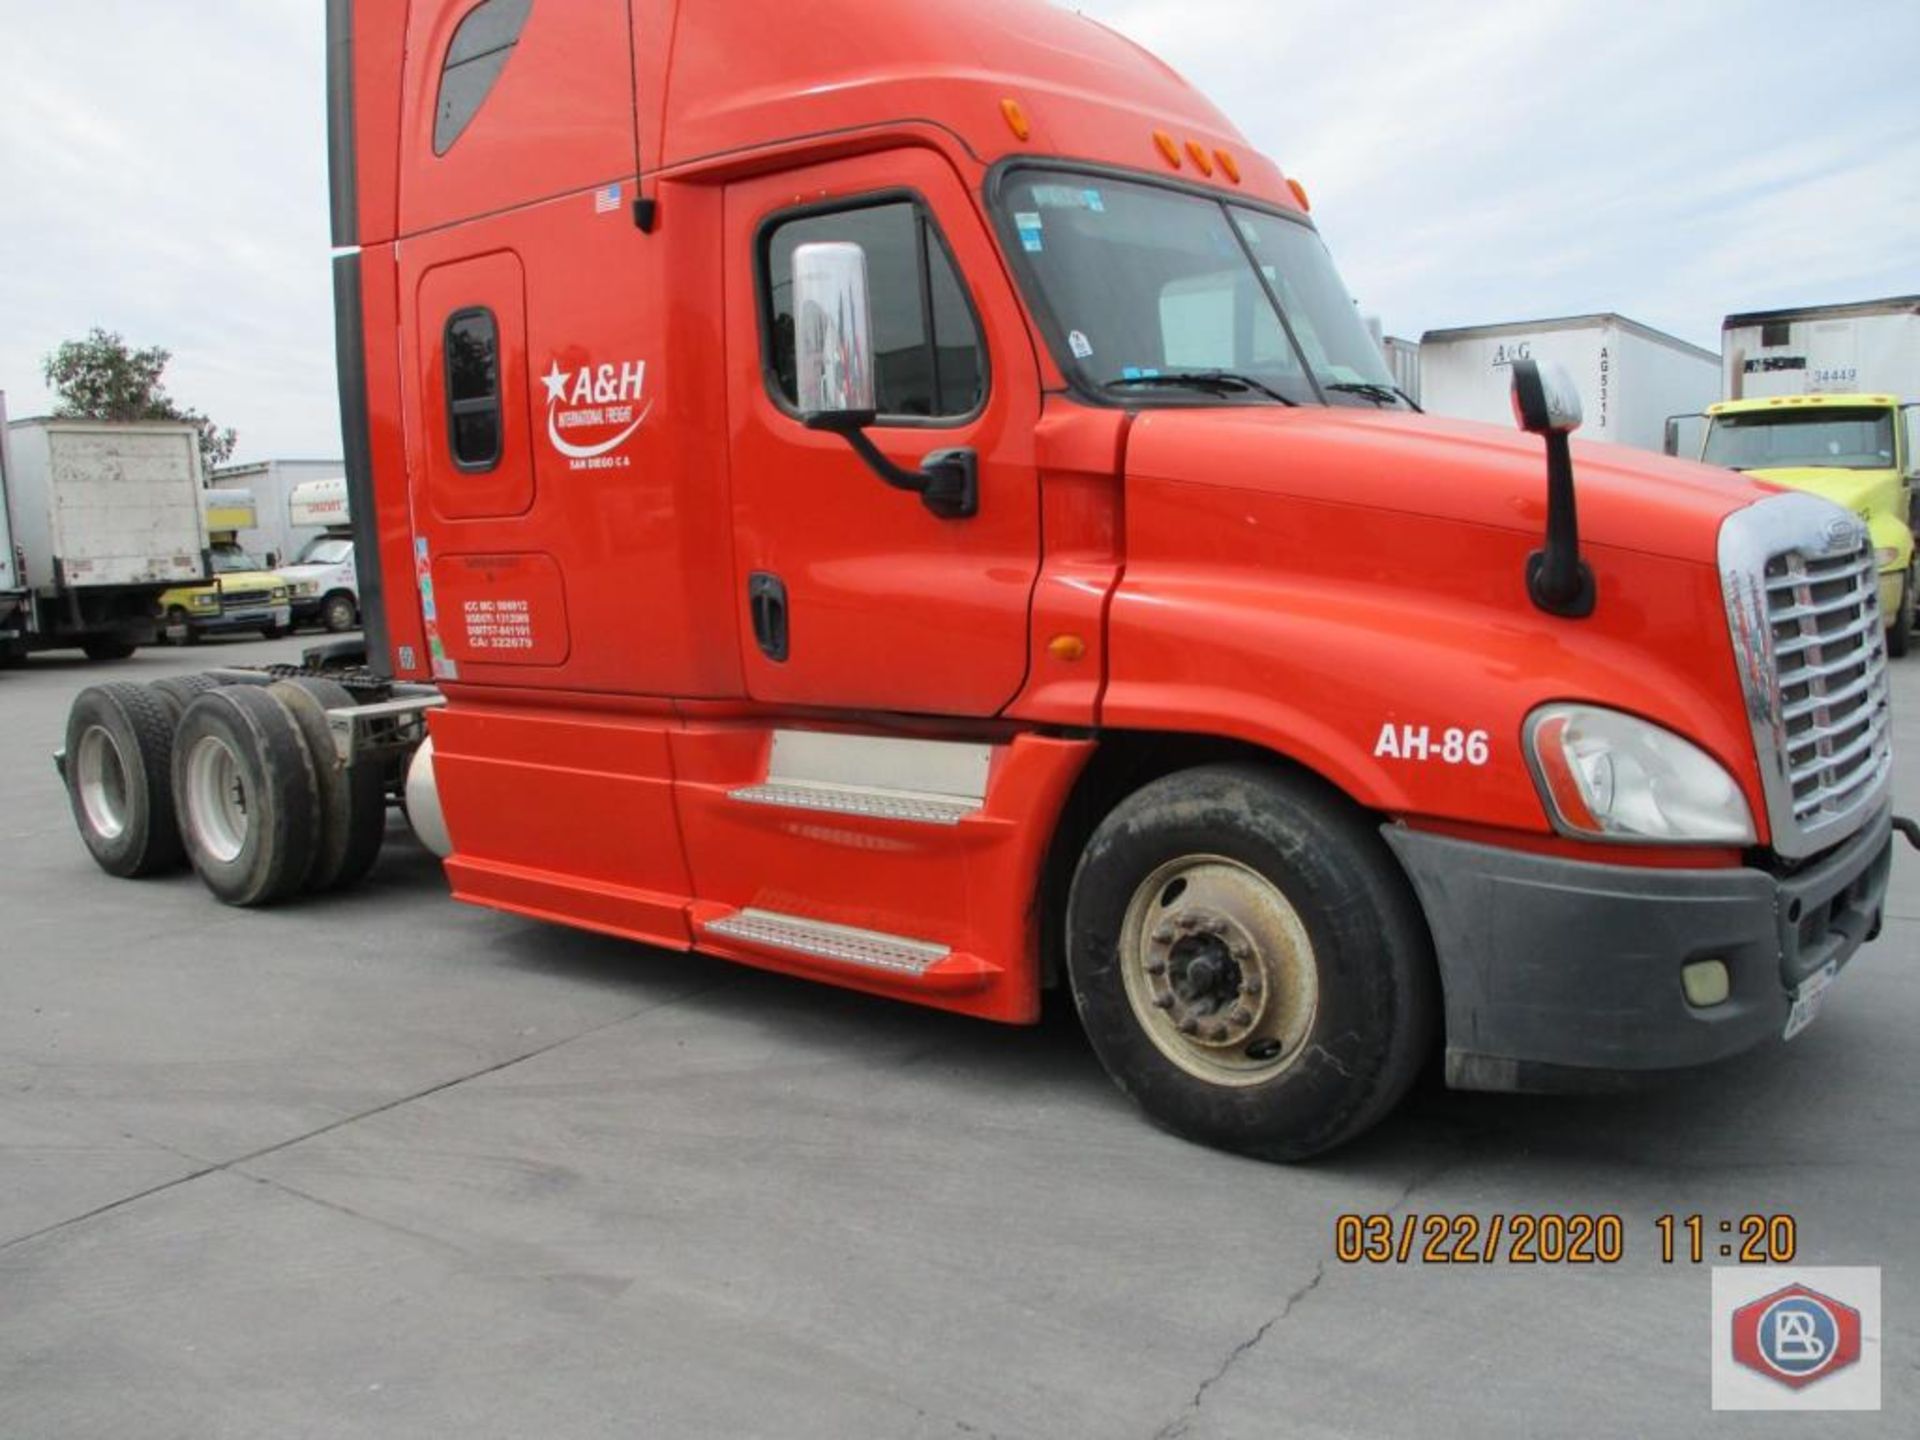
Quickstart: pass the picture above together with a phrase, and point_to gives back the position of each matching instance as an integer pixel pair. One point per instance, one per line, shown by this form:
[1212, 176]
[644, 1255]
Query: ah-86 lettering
[1423, 743]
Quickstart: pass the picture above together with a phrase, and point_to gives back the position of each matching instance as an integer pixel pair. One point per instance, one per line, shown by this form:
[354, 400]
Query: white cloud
[1672, 161]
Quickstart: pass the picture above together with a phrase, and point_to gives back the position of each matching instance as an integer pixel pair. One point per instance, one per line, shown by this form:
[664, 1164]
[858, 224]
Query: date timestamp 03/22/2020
[1549, 1238]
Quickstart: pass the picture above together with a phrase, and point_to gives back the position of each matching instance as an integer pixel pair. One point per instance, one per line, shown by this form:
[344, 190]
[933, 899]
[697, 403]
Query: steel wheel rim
[217, 799]
[101, 771]
[1219, 970]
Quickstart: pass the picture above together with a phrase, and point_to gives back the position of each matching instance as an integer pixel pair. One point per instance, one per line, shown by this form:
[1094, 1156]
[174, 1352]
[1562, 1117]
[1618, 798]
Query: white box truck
[1631, 377]
[13, 595]
[1823, 399]
[276, 537]
[324, 580]
[106, 517]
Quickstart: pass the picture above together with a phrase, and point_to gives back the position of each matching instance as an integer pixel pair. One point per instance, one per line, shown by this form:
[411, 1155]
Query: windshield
[326, 550]
[1823, 438]
[232, 560]
[1143, 282]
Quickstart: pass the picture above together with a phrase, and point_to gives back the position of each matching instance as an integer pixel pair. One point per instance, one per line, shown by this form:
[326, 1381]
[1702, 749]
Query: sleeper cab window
[473, 388]
[476, 55]
[928, 359]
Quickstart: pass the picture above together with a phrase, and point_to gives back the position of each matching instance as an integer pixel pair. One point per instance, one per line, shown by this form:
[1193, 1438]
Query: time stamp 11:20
[1545, 1238]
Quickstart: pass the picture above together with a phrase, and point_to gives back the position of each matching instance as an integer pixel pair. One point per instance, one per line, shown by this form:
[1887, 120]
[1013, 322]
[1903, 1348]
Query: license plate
[1808, 999]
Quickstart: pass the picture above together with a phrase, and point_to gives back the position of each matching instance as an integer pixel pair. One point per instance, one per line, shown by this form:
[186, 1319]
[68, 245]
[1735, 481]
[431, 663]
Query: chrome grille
[1803, 598]
[1830, 657]
[245, 599]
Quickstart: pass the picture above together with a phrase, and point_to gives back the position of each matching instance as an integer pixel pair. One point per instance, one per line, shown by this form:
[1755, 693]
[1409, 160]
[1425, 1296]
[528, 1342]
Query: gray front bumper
[1561, 974]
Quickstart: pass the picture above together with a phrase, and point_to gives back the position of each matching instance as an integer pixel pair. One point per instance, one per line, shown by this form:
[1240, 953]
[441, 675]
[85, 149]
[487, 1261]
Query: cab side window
[473, 388]
[928, 357]
[476, 55]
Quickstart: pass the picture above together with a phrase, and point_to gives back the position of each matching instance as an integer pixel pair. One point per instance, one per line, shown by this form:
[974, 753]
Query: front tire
[339, 614]
[104, 648]
[1249, 962]
[177, 627]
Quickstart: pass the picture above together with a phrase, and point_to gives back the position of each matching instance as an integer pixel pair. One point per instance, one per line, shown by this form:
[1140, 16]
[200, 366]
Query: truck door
[851, 594]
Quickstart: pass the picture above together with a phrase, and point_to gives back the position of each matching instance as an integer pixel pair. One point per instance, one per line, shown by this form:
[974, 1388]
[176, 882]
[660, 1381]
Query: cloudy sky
[164, 176]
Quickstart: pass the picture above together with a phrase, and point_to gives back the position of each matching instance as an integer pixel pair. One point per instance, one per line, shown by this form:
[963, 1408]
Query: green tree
[100, 378]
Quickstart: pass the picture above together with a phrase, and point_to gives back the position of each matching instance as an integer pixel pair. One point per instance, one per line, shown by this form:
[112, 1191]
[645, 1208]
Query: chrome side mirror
[834, 380]
[1545, 403]
[1545, 400]
[833, 334]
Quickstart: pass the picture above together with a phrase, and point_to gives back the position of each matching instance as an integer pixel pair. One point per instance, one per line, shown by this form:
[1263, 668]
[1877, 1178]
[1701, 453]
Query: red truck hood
[1446, 469]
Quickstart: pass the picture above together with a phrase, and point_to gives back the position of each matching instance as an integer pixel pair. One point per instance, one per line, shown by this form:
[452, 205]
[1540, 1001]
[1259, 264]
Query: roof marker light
[1168, 147]
[1016, 119]
[1300, 194]
[1229, 166]
[1202, 161]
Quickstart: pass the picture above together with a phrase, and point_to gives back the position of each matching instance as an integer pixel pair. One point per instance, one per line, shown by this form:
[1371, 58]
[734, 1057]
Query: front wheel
[1249, 962]
[339, 614]
[1900, 633]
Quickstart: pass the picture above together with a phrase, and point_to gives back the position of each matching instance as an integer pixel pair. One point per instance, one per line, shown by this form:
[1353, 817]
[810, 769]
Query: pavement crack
[1179, 1425]
[383, 1108]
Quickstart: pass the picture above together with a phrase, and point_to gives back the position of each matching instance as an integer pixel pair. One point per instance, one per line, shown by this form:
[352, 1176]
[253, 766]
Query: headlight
[206, 600]
[279, 594]
[308, 588]
[1608, 776]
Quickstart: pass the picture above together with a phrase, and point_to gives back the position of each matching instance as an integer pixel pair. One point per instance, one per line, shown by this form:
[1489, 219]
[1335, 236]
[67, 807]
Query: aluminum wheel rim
[102, 775]
[1220, 970]
[217, 799]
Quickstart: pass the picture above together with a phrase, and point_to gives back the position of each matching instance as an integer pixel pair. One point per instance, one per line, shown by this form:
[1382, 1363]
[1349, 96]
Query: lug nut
[1164, 935]
[1189, 1026]
[1156, 967]
[1163, 1002]
[1241, 1015]
[1188, 924]
[1216, 927]
[1217, 1033]
[1251, 985]
[1241, 951]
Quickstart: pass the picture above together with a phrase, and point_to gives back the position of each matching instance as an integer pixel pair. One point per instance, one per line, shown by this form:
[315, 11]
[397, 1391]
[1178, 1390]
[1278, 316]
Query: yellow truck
[242, 593]
[1822, 399]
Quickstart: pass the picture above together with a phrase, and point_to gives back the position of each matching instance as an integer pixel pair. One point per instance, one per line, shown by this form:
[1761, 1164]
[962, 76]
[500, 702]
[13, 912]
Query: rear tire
[339, 613]
[119, 744]
[353, 799]
[107, 649]
[1900, 633]
[1249, 961]
[244, 786]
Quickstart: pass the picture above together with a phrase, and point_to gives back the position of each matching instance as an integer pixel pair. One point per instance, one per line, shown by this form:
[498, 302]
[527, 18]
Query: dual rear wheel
[236, 777]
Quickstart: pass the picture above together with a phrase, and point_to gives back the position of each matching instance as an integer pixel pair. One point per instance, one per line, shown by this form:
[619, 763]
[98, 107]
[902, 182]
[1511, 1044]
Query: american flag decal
[606, 199]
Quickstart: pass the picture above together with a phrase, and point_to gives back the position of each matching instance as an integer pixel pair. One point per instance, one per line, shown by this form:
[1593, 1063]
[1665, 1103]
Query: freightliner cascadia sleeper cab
[898, 494]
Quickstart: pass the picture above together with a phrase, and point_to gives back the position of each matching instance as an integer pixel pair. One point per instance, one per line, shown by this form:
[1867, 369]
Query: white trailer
[1631, 377]
[13, 595]
[106, 517]
[1870, 348]
[276, 535]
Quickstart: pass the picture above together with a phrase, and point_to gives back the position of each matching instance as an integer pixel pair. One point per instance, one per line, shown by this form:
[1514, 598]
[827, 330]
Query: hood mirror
[835, 382]
[1547, 403]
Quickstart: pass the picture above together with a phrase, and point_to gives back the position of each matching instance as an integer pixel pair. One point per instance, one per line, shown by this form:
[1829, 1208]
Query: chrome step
[857, 800]
[869, 948]
[928, 782]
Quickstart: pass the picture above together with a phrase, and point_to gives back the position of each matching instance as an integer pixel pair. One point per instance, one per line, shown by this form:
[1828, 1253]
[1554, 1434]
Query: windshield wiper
[1379, 394]
[1207, 382]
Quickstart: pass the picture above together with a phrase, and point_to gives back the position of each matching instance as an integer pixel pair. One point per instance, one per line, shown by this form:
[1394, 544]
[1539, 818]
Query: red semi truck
[900, 495]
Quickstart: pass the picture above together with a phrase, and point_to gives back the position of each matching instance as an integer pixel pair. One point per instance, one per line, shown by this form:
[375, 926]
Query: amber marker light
[1300, 194]
[1229, 166]
[1169, 147]
[1067, 647]
[1202, 161]
[1016, 119]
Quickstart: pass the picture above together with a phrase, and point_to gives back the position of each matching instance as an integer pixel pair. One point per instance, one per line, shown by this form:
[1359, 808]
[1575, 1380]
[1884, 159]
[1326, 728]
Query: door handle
[767, 603]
